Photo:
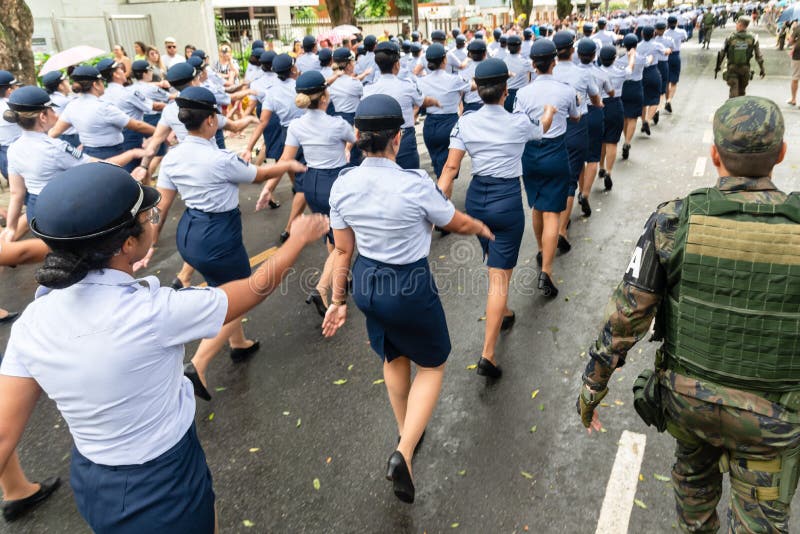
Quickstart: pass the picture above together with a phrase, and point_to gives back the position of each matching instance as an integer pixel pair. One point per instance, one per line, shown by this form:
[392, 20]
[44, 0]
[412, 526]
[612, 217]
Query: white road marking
[700, 167]
[621, 489]
[707, 136]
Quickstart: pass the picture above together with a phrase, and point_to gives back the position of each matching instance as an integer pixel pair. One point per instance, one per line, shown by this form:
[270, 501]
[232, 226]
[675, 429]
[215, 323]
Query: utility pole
[415, 13]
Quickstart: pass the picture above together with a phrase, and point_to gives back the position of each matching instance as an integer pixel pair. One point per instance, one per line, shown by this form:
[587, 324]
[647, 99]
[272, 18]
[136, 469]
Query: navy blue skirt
[403, 311]
[674, 67]
[170, 494]
[632, 99]
[594, 126]
[355, 153]
[407, 155]
[130, 140]
[436, 134]
[651, 86]
[219, 137]
[298, 176]
[104, 152]
[613, 120]
[4, 160]
[546, 173]
[472, 106]
[212, 244]
[274, 135]
[72, 139]
[510, 99]
[498, 203]
[577, 141]
[30, 206]
[663, 70]
[152, 119]
[317, 185]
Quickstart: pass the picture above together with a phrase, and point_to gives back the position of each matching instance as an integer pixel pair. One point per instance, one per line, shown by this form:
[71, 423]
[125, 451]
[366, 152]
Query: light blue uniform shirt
[130, 100]
[546, 90]
[98, 123]
[617, 75]
[9, 131]
[601, 78]
[492, 48]
[280, 101]
[109, 351]
[151, 92]
[495, 140]
[327, 72]
[500, 53]
[638, 66]
[651, 47]
[678, 36]
[455, 58]
[222, 98]
[666, 42]
[471, 97]
[37, 158]
[407, 62]
[169, 117]
[396, 232]
[406, 93]
[206, 177]
[525, 50]
[263, 84]
[322, 137]
[605, 37]
[60, 101]
[448, 89]
[522, 71]
[307, 61]
[346, 93]
[367, 61]
[253, 72]
[580, 79]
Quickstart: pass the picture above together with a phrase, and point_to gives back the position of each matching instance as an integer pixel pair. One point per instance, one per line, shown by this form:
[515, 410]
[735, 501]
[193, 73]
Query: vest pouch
[647, 400]
[725, 75]
[790, 472]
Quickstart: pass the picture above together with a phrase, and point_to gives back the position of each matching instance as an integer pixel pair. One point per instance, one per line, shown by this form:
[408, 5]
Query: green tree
[372, 8]
[563, 8]
[404, 7]
[16, 30]
[522, 7]
[341, 11]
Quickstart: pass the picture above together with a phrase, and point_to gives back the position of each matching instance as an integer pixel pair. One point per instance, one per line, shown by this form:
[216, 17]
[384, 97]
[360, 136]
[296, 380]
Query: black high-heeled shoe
[419, 443]
[397, 472]
[508, 321]
[316, 298]
[190, 372]
[564, 245]
[547, 286]
[274, 204]
[608, 183]
[488, 369]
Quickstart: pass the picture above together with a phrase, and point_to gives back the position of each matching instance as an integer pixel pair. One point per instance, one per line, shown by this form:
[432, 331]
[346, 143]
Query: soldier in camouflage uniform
[738, 50]
[719, 271]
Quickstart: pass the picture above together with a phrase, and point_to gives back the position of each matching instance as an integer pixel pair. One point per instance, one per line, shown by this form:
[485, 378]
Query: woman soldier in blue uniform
[448, 90]
[34, 158]
[100, 124]
[57, 86]
[632, 93]
[392, 282]
[476, 50]
[613, 112]
[545, 163]
[108, 349]
[209, 234]
[520, 69]
[9, 132]
[272, 133]
[651, 77]
[325, 140]
[346, 92]
[495, 140]
[142, 74]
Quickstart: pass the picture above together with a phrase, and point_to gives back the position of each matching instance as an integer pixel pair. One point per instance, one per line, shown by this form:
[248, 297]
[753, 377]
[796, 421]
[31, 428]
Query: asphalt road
[495, 460]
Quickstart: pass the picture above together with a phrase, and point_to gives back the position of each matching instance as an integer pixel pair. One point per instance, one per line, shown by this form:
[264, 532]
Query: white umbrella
[71, 56]
[346, 30]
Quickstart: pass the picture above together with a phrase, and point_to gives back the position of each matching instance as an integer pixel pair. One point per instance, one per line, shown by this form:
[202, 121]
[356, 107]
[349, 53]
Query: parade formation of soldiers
[96, 159]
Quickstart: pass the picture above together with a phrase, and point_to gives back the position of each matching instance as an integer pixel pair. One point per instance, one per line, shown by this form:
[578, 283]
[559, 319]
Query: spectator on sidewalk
[172, 57]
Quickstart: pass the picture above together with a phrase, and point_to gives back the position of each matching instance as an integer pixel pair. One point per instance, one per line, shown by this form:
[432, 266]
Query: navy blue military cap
[672, 19]
[282, 63]
[378, 112]
[514, 40]
[648, 32]
[503, 39]
[178, 73]
[29, 98]
[310, 82]
[415, 36]
[586, 47]
[140, 65]
[497, 33]
[477, 45]
[196, 62]
[197, 98]
[199, 53]
[6, 78]
[416, 47]
[543, 48]
[435, 51]
[491, 71]
[438, 35]
[325, 55]
[460, 38]
[527, 33]
[588, 27]
[90, 201]
[601, 21]
[630, 41]
[455, 32]
[54, 77]
[406, 46]
[267, 57]
[85, 72]
[608, 52]
[563, 39]
[661, 25]
[370, 40]
[387, 47]
[340, 55]
[107, 64]
[258, 43]
[361, 50]
[256, 52]
[308, 42]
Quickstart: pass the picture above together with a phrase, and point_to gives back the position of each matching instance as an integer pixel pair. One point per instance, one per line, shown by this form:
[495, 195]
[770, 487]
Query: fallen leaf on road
[378, 381]
[603, 430]
[285, 413]
[328, 460]
[640, 504]
[340, 382]
[211, 416]
[605, 404]
[245, 319]
[248, 523]
[641, 478]
[453, 525]
[316, 484]
[350, 367]
[481, 319]
[462, 473]
[218, 389]
[619, 402]
[662, 478]
[526, 474]
[533, 395]
[442, 257]
[254, 449]
[533, 429]
[298, 423]
[541, 407]
[472, 367]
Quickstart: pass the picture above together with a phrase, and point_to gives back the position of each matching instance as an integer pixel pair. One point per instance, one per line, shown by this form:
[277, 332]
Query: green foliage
[372, 8]
[403, 7]
[221, 30]
[304, 13]
[522, 7]
[563, 8]
[613, 6]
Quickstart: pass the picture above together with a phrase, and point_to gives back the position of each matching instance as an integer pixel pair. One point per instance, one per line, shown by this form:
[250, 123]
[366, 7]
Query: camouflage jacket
[635, 302]
[754, 52]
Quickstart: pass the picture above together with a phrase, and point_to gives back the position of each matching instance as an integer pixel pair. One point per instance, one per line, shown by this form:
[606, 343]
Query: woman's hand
[296, 166]
[246, 155]
[335, 318]
[486, 233]
[264, 198]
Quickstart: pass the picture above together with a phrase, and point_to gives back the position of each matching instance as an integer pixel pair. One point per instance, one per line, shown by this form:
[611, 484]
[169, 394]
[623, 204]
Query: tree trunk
[16, 29]
[523, 7]
[340, 11]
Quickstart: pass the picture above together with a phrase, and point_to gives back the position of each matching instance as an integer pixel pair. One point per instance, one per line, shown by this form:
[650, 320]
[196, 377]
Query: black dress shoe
[10, 318]
[607, 182]
[419, 443]
[564, 245]
[15, 509]
[668, 107]
[508, 321]
[626, 150]
[539, 258]
[655, 118]
[176, 284]
[488, 369]
[646, 127]
[284, 237]
[397, 472]
[316, 298]
[585, 207]
[274, 204]
[190, 372]
[601, 173]
[547, 286]
[240, 355]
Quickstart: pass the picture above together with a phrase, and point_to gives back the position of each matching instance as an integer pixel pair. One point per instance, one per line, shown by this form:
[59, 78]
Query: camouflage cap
[748, 124]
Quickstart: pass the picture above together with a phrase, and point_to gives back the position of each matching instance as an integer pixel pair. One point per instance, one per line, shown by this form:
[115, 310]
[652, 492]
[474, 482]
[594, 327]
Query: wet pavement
[501, 458]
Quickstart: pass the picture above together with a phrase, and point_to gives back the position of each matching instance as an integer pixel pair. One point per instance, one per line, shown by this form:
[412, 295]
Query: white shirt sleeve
[336, 219]
[438, 210]
[236, 170]
[291, 138]
[115, 116]
[189, 314]
[533, 129]
[347, 132]
[456, 138]
[67, 156]
[141, 101]
[416, 96]
[12, 364]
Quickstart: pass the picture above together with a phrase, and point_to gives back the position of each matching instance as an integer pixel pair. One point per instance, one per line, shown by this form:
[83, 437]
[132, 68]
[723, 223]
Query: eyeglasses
[155, 215]
[171, 46]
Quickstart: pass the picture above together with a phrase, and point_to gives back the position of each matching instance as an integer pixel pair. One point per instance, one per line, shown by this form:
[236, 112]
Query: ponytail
[304, 101]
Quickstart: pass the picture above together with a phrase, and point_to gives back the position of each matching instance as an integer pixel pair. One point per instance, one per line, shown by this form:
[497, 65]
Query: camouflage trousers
[717, 429]
[707, 31]
[737, 78]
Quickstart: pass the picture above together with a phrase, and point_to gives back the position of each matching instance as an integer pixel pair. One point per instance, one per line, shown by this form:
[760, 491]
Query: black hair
[108, 75]
[325, 62]
[138, 74]
[607, 62]
[477, 55]
[309, 48]
[586, 58]
[26, 119]
[493, 92]
[385, 61]
[193, 118]
[434, 64]
[375, 142]
[69, 263]
[369, 47]
[564, 54]
[514, 48]
[4, 90]
[83, 86]
[266, 67]
[543, 64]
[285, 75]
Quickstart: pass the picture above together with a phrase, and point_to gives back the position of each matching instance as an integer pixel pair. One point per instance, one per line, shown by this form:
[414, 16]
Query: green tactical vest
[708, 19]
[733, 312]
[740, 49]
